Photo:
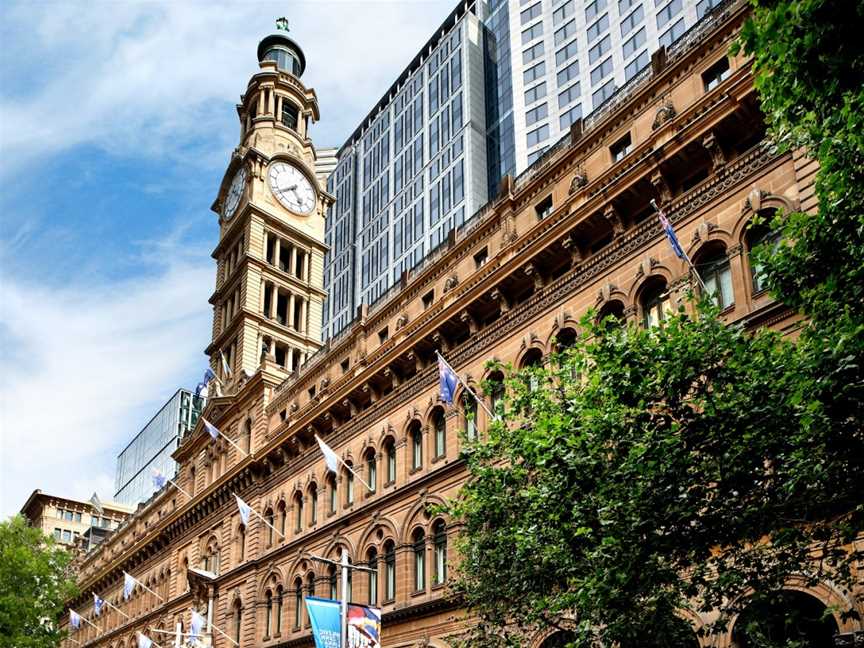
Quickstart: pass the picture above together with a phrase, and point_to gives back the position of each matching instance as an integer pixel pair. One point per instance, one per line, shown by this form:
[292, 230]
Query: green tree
[641, 473]
[34, 583]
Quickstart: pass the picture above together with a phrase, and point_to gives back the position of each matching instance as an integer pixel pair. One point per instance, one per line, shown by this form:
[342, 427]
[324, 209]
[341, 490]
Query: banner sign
[324, 616]
[364, 624]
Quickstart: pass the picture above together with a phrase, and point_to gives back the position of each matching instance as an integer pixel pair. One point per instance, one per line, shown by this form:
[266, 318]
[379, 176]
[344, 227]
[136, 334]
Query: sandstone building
[575, 231]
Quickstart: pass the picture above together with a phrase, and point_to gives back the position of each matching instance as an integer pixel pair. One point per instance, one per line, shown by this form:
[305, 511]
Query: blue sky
[116, 122]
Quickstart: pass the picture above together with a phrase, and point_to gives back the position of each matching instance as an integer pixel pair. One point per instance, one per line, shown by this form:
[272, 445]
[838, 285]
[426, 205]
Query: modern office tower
[571, 56]
[413, 170]
[529, 69]
[152, 447]
[325, 163]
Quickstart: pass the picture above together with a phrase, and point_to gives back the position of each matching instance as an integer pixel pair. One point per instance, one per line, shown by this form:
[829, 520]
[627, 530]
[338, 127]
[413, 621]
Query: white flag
[330, 457]
[245, 510]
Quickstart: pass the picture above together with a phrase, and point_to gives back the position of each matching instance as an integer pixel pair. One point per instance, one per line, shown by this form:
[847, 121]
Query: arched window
[469, 416]
[371, 469]
[389, 570]
[349, 484]
[565, 339]
[760, 235]
[611, 315]
[790, 616]
[656, 305]
[532, 358]
[268, 612]
[495, 387]
[439, 541]
[310, 590]
[331, 492]
[247, 436]
[439, 428]
[210, 557]
[298, 603]
[331, 582]
[713, 267]
[372, 563]
[390, 451]
[416, 434]
[313, 504]
[278, 614]
[241, 543]
[283, 516]
[298, 512]
[558, 640]
[418, 547]
[237, 621]
[271, 524]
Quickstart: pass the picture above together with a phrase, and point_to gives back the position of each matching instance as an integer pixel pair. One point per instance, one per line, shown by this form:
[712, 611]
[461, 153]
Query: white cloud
[161, 78]
[85, 365]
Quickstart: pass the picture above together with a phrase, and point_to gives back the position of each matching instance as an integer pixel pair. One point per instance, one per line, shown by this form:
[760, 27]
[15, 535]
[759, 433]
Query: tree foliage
[34, 583]
[696, 466]
[642, 473]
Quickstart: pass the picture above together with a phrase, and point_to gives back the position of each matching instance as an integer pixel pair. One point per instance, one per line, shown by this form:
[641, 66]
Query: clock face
[291, 186]
[235, 191]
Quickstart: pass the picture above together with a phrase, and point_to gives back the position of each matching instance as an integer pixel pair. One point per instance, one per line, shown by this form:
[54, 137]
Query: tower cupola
[278, 47]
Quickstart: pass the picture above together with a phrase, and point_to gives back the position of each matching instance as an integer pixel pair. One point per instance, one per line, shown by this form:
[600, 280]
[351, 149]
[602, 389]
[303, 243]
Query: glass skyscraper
[152, 448]
[497, 84]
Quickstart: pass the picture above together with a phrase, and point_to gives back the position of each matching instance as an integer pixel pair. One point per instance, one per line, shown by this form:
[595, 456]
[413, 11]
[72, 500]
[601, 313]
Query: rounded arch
[652, 297]
[530, 353]
[383, 524]
[271, 581]
[561, 338]
[340, 541]
[759, 202]
[808, 621]
[412, 519]
[658, 272]
[613, 308]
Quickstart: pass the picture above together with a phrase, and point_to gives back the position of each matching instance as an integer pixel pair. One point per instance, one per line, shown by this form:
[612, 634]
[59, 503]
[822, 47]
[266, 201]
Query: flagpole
[686, 256]
[224, 436]
[347, 467]
[173, 483]
[113, 607]
[213, 627]
[150, 640]
[143, 586]
[480, 402]
[260, 516]
[85, 620]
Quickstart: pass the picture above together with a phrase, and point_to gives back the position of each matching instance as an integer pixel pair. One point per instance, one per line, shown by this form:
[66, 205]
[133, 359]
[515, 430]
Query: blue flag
[245, 510]
[212, 429]
[446, 381]
[159, 480]
[197, 624]
[670, 235]
[202, 387]
[74, 619]
[97, 605]
[128, 586]
[325, 617]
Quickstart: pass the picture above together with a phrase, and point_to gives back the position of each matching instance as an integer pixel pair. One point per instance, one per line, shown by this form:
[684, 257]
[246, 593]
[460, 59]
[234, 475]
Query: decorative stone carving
[661, 187]
[466, 318]
[718, 157]
[665, 113]
[754, 199]
[451, 283]
[498, 296]
[614, 217]
[573, 248]
[702, 232]
[402, 321]
[580, 179]
[530, 270]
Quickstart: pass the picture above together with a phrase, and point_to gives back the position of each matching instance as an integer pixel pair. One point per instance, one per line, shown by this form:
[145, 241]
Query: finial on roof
[282, 23]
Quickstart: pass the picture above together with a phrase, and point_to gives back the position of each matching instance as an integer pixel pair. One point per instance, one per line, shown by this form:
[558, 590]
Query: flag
[245, 510]
[196, 625]
[97, 504]
[128, 586]
[670, 234]
[97, 605]
[330, 457]
[446, 381]
[212, 429]
[159, 480]
[225, 366]
[144, 641]
[201, 390]
[74, 619]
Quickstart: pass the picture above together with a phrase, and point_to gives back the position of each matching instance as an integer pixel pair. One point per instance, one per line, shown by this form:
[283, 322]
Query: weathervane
[282, 23]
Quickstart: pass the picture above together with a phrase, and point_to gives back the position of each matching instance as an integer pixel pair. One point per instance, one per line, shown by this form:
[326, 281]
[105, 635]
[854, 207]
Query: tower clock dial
[291, 187]
[235, 191]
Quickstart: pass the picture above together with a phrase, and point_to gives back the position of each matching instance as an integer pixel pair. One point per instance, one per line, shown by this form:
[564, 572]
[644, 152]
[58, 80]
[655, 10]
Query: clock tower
[267, 306]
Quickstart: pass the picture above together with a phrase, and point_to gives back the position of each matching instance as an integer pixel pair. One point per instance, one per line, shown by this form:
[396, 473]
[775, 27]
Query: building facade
[152, 447]
[573, 232]
[527, 71]
[72, 522]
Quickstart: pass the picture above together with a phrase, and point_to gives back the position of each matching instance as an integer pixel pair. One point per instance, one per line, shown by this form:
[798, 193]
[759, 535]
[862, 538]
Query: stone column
[261, 102]
[274, 301]
[278, 114]
[277, 249]
[290, 320]
[289, 358]
[303, 309]
[293, 268]
[271, 103]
